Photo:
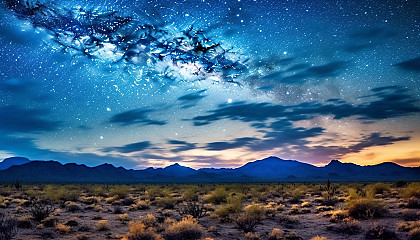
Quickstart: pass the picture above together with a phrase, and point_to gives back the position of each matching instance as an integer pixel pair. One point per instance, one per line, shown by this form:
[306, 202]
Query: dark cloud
[181, 145]
[235, 143]
[302, 72]
[242, 111]
[129, 148]
[368, 38]
[191, 99]
[374, 139]
[14, 118]
[136, 116]
[410, 65]
[23, 89]
[387, 102]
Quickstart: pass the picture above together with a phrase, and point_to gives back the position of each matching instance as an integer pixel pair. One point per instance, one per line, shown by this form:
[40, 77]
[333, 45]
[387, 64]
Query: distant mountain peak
[334, 162]
[13, 161]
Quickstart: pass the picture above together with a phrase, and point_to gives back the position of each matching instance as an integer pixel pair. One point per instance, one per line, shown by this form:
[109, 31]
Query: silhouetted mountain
[8, 162]
[271, 169]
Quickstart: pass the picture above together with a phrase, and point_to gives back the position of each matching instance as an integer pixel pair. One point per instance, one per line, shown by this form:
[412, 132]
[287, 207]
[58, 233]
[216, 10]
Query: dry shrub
[276, 234]
[62, 229]
[366, 208]
[348, 226]
[102, 225]
[338, 215]
[138, 231]
[149, 220]
[249, 219]
[378, 188]
[412, 190]
[286, 219]
[50, 221]
[41, 209]
[72, 206]
[90, 200]
[319, 238]
[293, 236]
[380, 232]
[194, 209]
[186, 229]
[252, 236]
[123, 217]
[140, 205]
[408, 226]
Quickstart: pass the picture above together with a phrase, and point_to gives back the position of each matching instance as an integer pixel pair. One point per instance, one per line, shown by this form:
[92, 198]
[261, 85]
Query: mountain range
[271, 169]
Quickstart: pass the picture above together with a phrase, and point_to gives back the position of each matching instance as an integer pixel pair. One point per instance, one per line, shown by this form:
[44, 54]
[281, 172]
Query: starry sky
[210, 83]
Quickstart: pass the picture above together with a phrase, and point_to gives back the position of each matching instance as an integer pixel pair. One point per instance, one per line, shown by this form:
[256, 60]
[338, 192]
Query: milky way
[210, 82]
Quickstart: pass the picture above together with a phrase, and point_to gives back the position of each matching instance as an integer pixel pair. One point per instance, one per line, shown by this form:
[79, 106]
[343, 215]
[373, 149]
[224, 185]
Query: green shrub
[366, 208]
[250, 218]
[218, 196]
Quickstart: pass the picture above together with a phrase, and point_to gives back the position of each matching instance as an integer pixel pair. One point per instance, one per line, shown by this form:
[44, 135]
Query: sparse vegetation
[211, 211]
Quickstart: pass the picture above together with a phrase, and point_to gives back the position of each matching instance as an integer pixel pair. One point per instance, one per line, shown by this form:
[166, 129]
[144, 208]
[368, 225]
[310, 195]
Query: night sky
[209, 83]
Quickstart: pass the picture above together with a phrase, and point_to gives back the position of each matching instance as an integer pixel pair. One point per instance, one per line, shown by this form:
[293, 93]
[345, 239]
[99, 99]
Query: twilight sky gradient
[210, 83]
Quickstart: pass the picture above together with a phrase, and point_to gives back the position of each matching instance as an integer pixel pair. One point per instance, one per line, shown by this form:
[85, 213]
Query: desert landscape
[321, 210]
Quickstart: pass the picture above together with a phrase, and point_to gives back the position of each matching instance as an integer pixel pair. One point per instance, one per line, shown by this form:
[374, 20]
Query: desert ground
[211, 211]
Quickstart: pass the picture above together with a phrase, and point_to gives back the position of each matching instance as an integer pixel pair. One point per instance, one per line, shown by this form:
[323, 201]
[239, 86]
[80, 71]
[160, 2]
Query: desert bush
[319, 238]
[218, 196]
[286, 219]
[190, 194]
[186, 229]
[276, 234]
[297, 193]
[233, 206]
[408, 226]
[41, 209]
[8, 227]
[140, 205]
[90, 200]
[194, 209]
[127, 201]
[293, 236]
[49, 221]
[101, 225]
[120, 191]
[380, 232]
[138, 231]
[347, 226]
[250, 218]
[62, 229]
[378, 188]
[338, 215]
[149, 220]
[252, 236]
[412, 190]
[366, 208]
[123, 217]
[166, 202]
[414, 234]
[24, 221]
[72, 206]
